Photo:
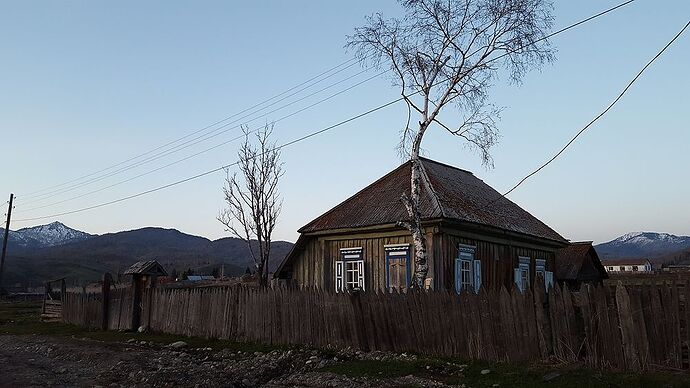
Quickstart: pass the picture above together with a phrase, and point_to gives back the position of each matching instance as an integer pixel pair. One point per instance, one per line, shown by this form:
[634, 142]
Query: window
[349, 270]
[634, 268]
[521, 276]
[468, 270]
[611, 268]
[542, 274]
[397, 266]
[539, 268]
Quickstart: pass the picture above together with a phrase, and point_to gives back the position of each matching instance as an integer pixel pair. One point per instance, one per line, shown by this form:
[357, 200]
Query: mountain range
[41, 236]
[55, 250]
[650, 245]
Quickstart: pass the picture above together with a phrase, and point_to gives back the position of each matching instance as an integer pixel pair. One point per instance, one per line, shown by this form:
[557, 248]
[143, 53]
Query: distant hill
[52, 234]
[643, 244]
[50, 251]
[678, 257]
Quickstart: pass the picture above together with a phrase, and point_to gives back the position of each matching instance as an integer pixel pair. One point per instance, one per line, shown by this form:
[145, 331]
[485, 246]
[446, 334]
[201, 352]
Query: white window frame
[468, 270]
[521, 273]
[351, 263]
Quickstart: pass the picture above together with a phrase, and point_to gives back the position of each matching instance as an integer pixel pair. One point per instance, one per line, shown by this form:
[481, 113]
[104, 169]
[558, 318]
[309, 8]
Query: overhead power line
[210, 135]
[200, 152]
[221, 168]
[597, 117]
[309, 135]
[335, 69]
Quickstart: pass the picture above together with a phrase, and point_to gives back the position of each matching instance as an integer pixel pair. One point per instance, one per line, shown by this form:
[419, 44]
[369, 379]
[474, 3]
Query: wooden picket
[632, 327]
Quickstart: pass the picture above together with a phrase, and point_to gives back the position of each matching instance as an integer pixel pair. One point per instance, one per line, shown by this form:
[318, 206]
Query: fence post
[136, 302]
[627, 326]
[360, 325]
[105, 293]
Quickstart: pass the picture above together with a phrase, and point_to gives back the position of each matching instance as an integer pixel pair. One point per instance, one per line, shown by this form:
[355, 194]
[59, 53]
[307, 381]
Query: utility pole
[4, 242]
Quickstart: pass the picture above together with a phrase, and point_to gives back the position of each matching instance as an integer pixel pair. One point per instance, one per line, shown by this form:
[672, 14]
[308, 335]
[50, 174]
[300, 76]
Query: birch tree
[252, 198]
[444, 56]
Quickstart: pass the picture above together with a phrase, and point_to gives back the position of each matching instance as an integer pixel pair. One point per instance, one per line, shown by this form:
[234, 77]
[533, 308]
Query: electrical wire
[309, 135]
[349, 63]
[210, 135]
[595, 119]
[200, 152]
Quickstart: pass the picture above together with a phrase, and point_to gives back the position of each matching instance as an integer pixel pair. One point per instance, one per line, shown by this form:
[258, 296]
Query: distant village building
[628, 265]
[677, 268]
[475, 238]
[579, 263]
[199, 278]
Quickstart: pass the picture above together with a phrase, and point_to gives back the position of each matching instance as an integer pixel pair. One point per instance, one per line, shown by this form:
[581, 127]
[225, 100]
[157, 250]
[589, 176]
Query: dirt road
[33, 361]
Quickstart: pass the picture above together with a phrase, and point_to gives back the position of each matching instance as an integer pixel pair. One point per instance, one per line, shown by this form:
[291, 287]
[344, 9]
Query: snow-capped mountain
[639, 244]
[49, 235]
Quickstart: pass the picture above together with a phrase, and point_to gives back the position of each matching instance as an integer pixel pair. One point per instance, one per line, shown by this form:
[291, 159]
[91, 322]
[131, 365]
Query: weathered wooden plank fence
[626, 327]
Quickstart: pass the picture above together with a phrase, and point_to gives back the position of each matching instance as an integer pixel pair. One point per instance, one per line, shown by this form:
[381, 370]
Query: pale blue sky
[86, 84]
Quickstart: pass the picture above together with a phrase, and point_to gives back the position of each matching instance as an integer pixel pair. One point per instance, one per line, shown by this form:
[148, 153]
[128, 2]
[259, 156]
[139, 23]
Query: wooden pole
[136, 302]
[107, 279]
[4, 242]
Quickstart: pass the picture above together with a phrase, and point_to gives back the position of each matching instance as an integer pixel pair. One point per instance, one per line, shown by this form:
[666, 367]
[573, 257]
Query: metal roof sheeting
[453, 194]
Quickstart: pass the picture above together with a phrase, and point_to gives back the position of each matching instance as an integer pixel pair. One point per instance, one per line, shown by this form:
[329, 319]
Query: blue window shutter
[458, 276]
[477, 275]
[548, 279]
[518, 278]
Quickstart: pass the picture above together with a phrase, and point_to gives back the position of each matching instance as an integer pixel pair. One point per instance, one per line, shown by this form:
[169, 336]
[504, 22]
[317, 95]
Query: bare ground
[33, 361]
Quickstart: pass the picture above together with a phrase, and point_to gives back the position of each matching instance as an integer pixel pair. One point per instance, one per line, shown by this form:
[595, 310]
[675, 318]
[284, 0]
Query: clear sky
[87, 84]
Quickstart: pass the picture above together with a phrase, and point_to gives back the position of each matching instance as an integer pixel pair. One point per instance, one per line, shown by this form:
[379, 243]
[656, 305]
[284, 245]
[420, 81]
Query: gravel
[37, 361]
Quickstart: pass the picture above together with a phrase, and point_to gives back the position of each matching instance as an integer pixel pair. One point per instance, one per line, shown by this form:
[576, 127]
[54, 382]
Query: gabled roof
[452, 194]
[150, 267]
[571, 259]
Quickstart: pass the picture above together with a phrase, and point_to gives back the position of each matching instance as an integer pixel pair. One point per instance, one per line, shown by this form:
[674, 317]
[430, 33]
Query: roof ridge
[446, 165]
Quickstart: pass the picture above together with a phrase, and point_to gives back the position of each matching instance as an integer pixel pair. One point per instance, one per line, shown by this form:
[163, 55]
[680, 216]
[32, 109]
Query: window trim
[350, 256]
[388, 249]
[467, 255]
[523, 268]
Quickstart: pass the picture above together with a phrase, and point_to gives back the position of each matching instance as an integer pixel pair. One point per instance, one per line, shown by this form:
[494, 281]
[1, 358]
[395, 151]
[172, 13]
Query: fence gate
[52, 301]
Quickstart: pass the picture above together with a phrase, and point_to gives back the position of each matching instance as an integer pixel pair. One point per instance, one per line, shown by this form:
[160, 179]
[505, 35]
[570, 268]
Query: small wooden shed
[579, 263]
[144, 275]
[146, 272]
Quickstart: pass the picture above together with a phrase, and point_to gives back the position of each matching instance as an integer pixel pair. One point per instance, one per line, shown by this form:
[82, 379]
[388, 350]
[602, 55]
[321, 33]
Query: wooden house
[579, 263]
[475, 238]
[630, 265]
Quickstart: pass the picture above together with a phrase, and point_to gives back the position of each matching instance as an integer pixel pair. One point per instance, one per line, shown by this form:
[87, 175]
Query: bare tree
[253, 201]
[446, 53]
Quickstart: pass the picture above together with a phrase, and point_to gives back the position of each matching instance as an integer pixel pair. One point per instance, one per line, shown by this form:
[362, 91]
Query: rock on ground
[40, 361]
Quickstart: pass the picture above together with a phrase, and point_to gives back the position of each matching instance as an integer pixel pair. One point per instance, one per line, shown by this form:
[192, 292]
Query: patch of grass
[506, 375]
[382, 369]
[23, 318]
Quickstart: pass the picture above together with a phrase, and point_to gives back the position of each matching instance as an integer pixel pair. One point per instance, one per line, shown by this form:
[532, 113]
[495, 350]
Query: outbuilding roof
[150, 267]
[452, 193]
[572, 260]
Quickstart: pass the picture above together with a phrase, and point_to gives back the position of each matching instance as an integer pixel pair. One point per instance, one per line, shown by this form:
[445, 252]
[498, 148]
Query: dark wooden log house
[475, 238]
